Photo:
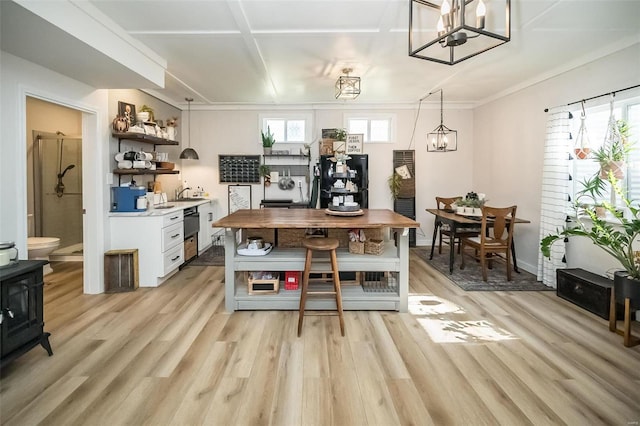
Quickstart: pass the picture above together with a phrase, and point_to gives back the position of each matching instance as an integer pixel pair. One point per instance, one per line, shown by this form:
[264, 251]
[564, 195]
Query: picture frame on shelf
[128, 111]
[354, 143]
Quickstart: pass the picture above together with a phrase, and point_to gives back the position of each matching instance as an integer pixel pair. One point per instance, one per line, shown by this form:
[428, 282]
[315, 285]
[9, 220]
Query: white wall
[216, 132]
[19, 79]
[510, 133]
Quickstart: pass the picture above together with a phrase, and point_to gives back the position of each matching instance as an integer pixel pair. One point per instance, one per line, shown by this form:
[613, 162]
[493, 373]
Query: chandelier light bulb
[440, 26]
[481, 11]
[445, 8]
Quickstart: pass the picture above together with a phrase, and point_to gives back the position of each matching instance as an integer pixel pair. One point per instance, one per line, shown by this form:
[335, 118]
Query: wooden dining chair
[496, 236]
[446, 203]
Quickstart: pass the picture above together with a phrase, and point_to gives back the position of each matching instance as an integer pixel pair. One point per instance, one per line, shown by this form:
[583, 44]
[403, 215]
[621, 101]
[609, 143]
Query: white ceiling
[292, 51]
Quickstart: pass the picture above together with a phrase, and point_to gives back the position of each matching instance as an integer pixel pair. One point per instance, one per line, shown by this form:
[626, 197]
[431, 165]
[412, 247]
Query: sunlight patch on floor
[431, 311]
[449, 331]
[423, 304]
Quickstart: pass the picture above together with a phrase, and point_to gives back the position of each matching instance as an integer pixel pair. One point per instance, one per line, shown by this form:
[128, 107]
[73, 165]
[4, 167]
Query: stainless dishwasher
[191, 228]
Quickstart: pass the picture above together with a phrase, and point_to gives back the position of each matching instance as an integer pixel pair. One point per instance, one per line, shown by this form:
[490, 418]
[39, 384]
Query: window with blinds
[597, 119]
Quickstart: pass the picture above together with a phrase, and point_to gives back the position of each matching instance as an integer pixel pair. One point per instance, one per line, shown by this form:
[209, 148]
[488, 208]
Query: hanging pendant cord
[441, 109]
[599, 96]
[415, 122]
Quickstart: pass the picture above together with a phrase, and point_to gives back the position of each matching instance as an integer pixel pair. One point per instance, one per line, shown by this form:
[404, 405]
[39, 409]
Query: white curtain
[555, 193]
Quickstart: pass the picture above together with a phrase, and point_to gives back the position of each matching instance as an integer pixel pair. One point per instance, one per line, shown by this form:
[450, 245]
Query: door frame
[93, 239]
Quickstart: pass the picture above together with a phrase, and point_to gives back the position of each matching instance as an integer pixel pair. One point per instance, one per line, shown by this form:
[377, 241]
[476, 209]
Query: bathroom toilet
[40, 247]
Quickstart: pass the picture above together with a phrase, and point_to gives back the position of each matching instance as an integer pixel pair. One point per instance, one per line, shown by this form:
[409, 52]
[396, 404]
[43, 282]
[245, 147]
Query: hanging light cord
[415, 122]
[189, 100]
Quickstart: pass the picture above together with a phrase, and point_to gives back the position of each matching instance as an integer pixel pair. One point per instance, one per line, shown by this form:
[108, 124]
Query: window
[375, 127]
[288, 128]
[597, 119]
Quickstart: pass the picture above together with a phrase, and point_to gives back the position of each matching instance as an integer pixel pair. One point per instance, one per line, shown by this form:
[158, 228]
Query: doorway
[54, 177]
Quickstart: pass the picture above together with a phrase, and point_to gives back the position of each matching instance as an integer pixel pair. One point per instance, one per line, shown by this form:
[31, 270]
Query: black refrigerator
[357, 162]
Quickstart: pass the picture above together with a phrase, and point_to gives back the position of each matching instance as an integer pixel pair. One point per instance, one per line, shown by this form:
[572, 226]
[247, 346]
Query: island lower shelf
[354, 296]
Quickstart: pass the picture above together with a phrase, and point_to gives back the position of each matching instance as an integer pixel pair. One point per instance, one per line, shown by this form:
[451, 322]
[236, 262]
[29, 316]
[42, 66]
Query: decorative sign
[404, 172]
[239, 197]
[339, 146]
[354, 143]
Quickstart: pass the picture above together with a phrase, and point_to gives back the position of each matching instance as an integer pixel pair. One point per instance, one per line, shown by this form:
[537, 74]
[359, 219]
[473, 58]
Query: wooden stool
[320, 244]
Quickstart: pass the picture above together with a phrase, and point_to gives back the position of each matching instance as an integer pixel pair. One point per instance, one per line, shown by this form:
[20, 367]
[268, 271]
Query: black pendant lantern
[442, 139]
[189, 153]
[457, 29]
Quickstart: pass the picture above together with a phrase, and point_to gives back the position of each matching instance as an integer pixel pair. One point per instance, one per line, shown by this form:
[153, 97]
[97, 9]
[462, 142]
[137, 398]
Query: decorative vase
[171, 133]
[267, 151]
[120, 124]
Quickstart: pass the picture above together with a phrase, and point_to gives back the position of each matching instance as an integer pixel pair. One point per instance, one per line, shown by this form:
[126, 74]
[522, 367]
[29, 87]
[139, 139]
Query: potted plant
[394, 181]
[267, 141]
[476, 206]
[265, 171]
[612, 155]
[341, 134]
[616, 238]
[461, 206]
[145, 114]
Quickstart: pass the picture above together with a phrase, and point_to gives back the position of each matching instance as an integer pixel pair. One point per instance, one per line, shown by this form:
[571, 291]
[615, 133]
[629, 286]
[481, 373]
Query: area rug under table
[470, 278]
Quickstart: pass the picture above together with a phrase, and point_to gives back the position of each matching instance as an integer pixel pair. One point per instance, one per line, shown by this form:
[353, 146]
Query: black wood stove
[21, 310]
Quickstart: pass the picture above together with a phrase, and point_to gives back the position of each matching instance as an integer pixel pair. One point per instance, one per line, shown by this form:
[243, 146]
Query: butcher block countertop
[313, 218]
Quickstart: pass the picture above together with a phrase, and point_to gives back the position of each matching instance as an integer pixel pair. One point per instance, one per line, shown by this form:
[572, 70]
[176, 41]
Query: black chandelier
[442, 139]
[457, 29]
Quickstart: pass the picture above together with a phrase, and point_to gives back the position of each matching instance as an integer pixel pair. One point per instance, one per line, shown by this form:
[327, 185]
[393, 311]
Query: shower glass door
[58, 188]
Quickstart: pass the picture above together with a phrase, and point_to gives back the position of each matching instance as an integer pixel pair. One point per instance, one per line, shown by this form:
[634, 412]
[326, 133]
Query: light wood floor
[172, 355]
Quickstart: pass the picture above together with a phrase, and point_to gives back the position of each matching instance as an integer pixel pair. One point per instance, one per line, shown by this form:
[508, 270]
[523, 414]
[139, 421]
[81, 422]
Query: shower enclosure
[57, 190]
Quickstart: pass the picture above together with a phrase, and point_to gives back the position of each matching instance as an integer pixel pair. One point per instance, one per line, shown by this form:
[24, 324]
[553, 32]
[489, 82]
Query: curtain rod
[599, 96]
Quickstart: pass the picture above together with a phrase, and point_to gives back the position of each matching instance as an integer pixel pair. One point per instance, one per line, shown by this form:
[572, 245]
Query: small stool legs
[320, 244]
[336, 286]
[303, 293]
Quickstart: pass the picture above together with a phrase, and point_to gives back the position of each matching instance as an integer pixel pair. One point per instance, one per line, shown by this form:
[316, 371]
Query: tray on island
[342, 190]
[358, 212]
[343, 208]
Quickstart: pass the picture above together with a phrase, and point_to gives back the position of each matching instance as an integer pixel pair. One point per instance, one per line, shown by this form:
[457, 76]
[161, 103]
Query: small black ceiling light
[442, 139]
[457, 29]
[347, 87]
[189, 153]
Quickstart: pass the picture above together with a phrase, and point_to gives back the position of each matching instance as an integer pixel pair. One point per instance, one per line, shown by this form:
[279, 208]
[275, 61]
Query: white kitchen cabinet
[159, 240]
[206, 220]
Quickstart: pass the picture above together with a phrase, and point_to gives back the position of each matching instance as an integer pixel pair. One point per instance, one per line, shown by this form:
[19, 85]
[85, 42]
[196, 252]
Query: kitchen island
[393, 262]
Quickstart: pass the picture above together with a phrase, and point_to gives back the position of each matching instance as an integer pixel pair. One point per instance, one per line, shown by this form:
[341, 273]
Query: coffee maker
[125, 198]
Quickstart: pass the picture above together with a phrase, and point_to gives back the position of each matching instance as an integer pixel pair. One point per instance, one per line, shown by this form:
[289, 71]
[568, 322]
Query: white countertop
[166, 208]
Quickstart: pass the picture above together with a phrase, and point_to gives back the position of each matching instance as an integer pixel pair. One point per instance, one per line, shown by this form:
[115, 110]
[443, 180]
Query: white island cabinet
[159, 240]
[206, 230]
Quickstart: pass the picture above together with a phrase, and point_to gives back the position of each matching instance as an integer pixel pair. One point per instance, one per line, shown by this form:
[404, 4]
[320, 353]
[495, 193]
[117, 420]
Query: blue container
[124, 198]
